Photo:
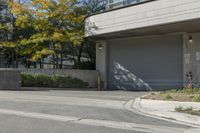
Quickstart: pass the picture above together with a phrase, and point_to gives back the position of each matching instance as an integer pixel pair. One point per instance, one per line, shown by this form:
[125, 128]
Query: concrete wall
[89, 76]
[2, 62]
[143, 15]
[192, 57]
[10, 79]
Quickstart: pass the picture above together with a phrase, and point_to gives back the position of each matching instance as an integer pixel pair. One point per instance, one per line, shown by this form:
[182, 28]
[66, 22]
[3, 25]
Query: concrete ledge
[10, 79]
[48, 89]
[166, 110]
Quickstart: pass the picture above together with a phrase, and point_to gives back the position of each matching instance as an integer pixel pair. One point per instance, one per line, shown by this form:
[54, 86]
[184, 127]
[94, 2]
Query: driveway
[76, 112]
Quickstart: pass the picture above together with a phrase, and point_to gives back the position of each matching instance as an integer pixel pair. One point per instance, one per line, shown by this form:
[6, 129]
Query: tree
[83, 55]
[51, 28]
[45, 27]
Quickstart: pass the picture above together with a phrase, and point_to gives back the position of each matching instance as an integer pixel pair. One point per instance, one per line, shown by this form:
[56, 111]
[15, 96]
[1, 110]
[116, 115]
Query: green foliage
[181, 109]
[172, 90]
[185, 91]
[168, 97]
[191, 97]
[50, 27]
[188, 110]
[189, 90]
[42, 80]
[196, 98]
[44, 28]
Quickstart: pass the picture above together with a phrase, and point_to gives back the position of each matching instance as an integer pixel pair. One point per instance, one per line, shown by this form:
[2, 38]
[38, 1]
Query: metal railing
[112, 4]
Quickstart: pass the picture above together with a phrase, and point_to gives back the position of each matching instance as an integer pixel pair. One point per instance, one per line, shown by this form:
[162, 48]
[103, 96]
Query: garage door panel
[145, 63]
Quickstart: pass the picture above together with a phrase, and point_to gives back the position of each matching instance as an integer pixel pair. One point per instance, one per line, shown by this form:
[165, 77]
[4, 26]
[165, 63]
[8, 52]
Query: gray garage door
[151, 63]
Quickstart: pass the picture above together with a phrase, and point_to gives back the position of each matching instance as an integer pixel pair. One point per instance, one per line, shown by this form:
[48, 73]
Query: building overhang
[191, 26]
[152, 18]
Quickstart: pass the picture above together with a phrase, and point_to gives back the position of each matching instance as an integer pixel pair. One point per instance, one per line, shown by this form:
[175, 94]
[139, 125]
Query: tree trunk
[13, 58]
[40, 63]
[57, 61]
[35, 65]
[80, 55]
[17, 59]
[53, 61]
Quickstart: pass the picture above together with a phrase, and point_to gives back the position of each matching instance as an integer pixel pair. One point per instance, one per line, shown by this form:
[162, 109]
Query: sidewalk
[195, 130]
[166, 110]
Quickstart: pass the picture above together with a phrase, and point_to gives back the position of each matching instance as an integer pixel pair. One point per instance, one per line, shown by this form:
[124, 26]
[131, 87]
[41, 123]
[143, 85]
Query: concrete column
[192, 57]
[101, 62]
[185, 65]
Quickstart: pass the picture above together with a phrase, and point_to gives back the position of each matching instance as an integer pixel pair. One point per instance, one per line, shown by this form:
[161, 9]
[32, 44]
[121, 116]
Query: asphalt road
[76, 112]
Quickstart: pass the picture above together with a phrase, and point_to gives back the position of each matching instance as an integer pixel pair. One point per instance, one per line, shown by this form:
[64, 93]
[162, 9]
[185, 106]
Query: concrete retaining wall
[89, 76]
[10, 79]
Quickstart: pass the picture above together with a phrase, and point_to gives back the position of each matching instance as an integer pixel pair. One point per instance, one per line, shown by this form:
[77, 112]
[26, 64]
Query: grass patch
[188, 110]
[168, 97]
[42, 80]
[181, 109]
[186, 91]
[196, 98]
[183, 95]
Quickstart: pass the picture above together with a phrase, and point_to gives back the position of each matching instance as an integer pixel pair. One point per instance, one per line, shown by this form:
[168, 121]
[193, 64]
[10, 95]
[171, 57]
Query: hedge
[42, 80]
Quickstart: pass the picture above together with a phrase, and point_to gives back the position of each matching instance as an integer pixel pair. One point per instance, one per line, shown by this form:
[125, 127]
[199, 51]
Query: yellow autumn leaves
[41, 23]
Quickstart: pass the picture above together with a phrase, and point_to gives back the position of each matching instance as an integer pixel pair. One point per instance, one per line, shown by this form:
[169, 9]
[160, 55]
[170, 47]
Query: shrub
[42, 80]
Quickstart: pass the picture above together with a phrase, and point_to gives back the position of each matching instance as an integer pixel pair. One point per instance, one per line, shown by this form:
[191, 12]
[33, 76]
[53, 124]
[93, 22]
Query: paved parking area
[75, 112]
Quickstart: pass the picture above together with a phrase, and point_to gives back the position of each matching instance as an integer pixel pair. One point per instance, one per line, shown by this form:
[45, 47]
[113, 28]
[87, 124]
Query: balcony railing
[112, 4]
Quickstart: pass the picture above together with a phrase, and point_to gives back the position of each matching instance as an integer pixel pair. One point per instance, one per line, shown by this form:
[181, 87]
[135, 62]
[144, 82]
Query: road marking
[94, 122]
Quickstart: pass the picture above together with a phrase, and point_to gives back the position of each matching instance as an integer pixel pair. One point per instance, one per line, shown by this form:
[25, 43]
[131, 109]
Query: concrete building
[6, 19]
[147, 44]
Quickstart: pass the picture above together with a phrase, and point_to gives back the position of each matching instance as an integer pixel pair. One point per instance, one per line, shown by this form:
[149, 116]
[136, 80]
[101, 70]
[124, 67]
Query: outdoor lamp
[190, 39]
[100, 46]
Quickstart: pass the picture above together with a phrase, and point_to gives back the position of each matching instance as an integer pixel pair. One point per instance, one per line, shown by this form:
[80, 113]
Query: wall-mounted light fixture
[190, 39]
[100, 47]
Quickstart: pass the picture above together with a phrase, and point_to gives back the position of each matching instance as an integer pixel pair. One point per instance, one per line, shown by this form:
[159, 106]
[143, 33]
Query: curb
[135, 107]
[195, 130]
